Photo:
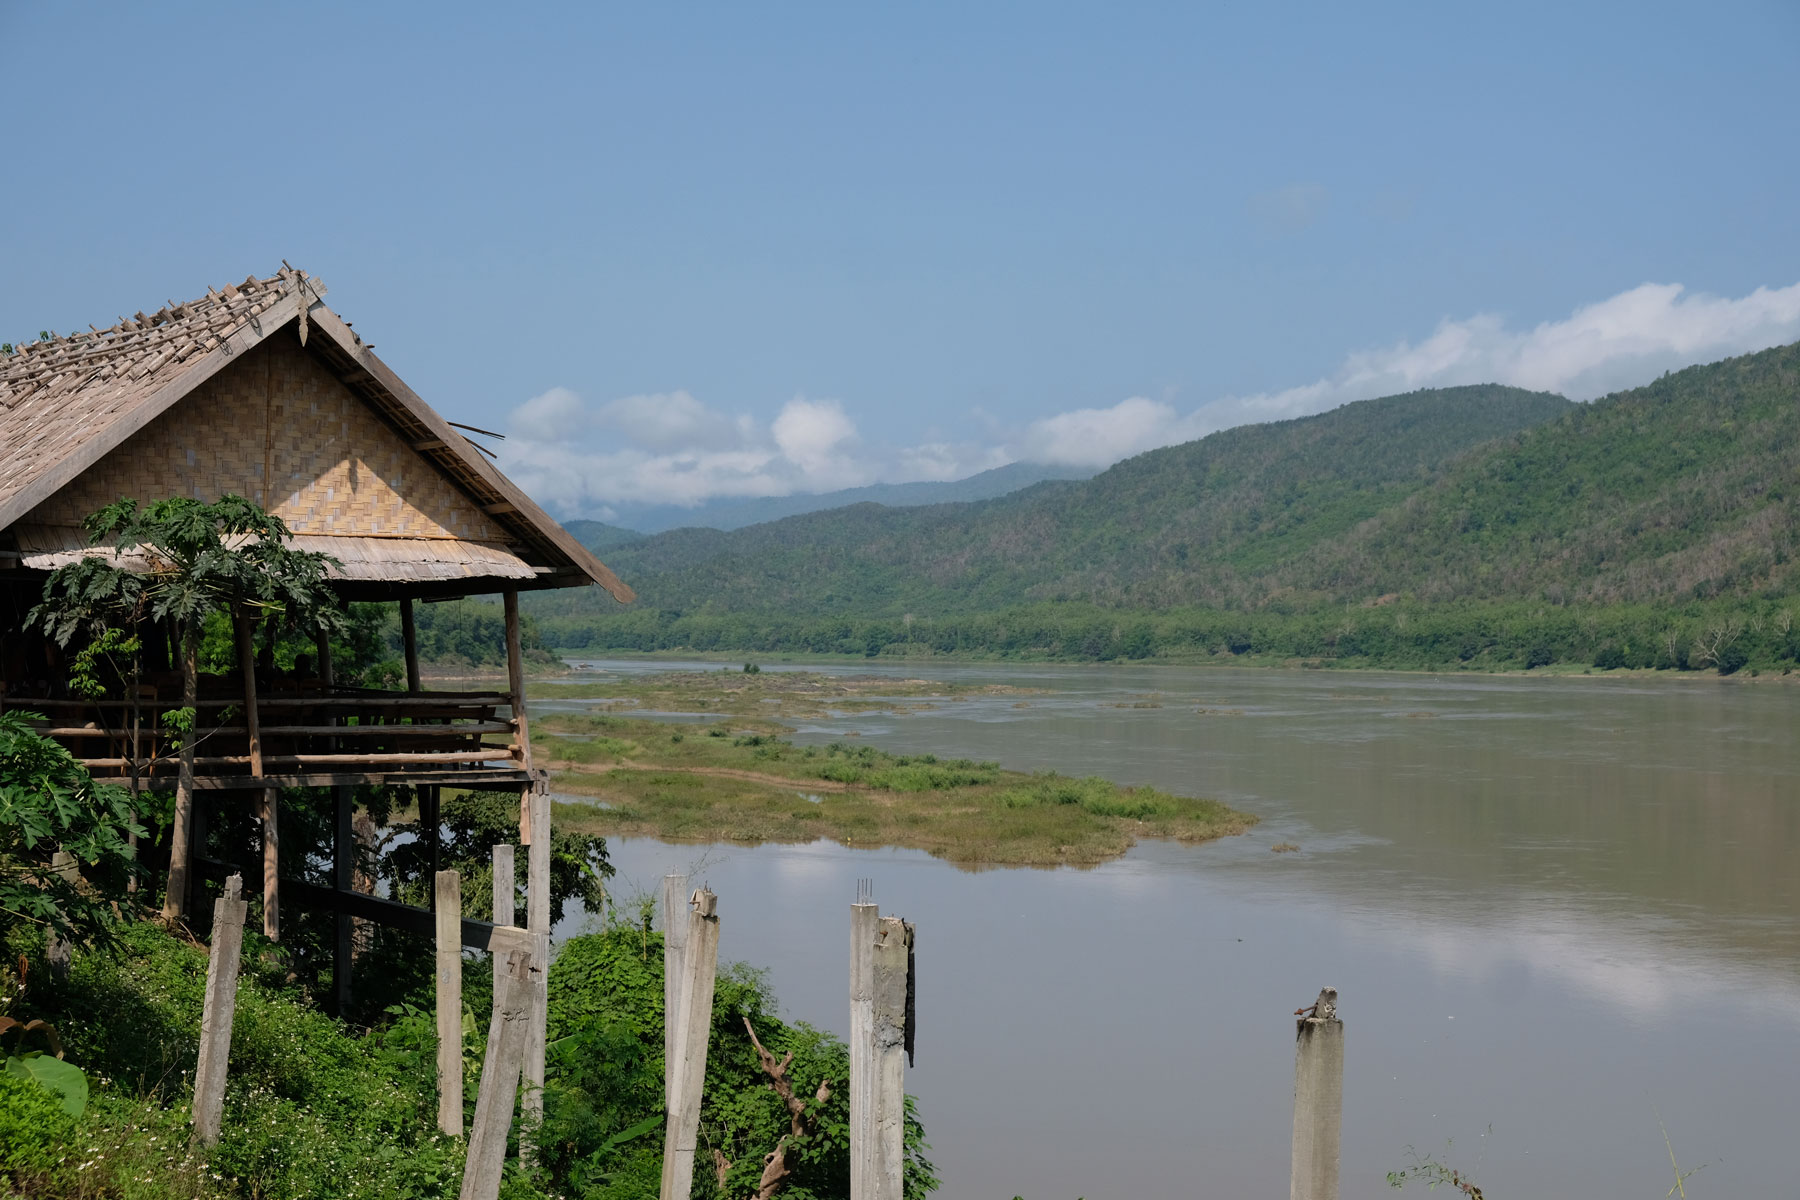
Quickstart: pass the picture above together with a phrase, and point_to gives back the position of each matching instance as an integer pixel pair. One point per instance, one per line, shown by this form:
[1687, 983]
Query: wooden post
[683, 1130]
[448, 889]
[675, 927]
[246, 654]
[182, 837]
[59, 950]
[266, 805]
[322, 642]
[409, 639]
[343, 861]
[499, 1081]
[515, 682]
[892, 961]
[269, 808]
[221, 1004]
[1318, 1100]
[506, 885]
[536, 801]
[865, 919]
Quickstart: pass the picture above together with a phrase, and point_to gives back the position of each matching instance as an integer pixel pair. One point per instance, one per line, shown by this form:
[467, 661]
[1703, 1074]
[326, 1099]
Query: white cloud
[669, 448]
[1621, 342]
[1098, 437]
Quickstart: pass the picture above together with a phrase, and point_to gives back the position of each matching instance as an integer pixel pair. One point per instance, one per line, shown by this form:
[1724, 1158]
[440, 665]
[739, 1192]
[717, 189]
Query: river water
[1563, 915]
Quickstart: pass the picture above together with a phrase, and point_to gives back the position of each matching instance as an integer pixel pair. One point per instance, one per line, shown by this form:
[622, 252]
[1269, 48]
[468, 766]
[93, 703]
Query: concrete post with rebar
[1318, 1100]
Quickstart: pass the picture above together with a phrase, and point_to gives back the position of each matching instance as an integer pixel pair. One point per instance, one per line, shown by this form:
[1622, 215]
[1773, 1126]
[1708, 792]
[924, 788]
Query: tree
[49, 803]
[194, 559]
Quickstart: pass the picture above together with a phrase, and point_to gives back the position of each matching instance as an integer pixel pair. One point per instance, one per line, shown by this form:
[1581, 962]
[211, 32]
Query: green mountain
[754, 510]
[602, 538]
[1201, 523]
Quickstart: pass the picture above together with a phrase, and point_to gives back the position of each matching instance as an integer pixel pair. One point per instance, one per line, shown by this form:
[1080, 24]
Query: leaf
[65, 1079]
[635, 1131]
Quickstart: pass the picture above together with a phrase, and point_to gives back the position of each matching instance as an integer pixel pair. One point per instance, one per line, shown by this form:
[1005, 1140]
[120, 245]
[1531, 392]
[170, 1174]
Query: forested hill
[1208, 522]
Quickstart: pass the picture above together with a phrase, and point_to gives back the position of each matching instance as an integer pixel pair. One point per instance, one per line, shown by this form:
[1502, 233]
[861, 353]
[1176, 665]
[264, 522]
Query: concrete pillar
[700, 967]
[1318, 1100]
[537, 921]
[864, 921]
[221, 1004]
[675, 927]
[887, 1056]
[448, 890]
[499, 1081]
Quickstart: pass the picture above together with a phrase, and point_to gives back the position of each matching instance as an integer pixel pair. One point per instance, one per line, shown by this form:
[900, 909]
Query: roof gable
[164, 383]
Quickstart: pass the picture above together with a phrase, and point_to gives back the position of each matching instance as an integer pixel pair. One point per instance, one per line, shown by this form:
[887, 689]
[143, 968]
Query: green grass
[747, 784]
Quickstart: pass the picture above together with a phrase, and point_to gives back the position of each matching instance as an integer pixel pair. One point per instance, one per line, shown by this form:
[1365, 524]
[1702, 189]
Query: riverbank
[740, 781]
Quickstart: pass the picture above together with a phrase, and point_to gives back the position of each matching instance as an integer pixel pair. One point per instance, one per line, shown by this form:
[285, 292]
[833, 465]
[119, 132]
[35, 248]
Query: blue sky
[684, 251]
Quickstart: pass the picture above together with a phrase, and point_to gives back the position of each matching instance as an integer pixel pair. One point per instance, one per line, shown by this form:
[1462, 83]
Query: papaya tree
[179, 561]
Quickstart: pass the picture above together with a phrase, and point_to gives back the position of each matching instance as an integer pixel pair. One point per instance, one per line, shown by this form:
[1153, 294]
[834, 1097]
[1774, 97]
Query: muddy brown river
[1563, 915]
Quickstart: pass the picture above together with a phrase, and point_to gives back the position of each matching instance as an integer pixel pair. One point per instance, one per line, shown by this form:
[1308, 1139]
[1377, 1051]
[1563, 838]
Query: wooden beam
[499, 510]
[476, 935]
[343, 875]
[429, 444]
[515, 682]
[409, 637]
[247, 666]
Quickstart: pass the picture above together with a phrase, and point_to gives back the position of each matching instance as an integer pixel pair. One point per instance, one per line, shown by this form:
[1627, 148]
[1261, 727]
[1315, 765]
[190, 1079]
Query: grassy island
[740, 780]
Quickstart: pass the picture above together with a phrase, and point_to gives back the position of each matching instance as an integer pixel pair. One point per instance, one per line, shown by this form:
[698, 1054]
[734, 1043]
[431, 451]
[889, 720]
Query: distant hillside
[1208, 523]
[737, 513]
[601, 538]
[1688, 488]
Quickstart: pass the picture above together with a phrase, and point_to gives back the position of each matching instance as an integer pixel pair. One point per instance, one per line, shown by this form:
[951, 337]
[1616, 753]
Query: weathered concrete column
[865, 919]
[448, 885]
[506, 885]
[675, 927]
[221, 1004]
[700, 967]
[1318, 1100]
[499, 1081]
[888, 1045]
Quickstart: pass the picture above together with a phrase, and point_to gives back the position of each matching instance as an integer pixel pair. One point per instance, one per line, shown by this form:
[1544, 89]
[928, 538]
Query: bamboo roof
[66, 402]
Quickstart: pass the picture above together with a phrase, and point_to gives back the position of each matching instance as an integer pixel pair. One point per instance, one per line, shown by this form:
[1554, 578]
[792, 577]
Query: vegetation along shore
[739, 780]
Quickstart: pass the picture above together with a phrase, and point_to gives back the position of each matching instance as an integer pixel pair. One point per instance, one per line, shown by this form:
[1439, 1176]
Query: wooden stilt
[409, 638]
[343, 859]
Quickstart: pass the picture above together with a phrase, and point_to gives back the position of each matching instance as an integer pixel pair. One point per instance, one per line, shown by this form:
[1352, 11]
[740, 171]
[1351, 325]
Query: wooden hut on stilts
[262, 391]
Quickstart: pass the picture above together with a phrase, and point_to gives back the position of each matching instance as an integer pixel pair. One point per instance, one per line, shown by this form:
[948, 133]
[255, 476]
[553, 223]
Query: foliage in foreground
[316, 1109]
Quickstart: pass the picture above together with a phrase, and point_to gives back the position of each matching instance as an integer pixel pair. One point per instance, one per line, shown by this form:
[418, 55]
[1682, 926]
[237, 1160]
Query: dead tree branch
[800, 1121]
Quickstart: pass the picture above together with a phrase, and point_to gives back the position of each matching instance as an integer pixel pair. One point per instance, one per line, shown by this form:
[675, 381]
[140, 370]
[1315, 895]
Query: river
[1563, 915]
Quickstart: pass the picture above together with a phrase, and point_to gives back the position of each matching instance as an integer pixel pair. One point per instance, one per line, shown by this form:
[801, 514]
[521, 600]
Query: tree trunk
[180, 851]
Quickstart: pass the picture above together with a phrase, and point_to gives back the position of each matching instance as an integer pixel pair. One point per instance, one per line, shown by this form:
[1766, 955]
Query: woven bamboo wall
[337, 468]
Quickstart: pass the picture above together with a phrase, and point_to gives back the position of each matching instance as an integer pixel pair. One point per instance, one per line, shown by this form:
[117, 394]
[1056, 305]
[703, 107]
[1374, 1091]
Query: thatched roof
[68, 402]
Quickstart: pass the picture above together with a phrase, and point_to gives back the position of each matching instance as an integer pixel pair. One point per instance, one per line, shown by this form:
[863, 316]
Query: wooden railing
[325, 731]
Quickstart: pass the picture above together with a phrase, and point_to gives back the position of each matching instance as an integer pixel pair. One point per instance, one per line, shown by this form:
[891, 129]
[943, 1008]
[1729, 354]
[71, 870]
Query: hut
[261, 390]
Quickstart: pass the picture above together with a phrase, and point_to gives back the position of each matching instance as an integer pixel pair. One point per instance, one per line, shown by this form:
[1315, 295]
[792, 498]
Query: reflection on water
[1555, 907]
